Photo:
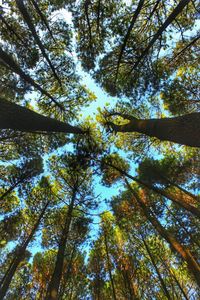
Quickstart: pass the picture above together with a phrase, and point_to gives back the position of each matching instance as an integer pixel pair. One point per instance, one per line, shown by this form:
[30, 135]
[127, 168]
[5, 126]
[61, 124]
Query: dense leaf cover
[99, 203]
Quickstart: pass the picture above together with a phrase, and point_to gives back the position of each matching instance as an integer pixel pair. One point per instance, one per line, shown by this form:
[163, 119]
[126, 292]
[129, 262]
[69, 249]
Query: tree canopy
[99, 149]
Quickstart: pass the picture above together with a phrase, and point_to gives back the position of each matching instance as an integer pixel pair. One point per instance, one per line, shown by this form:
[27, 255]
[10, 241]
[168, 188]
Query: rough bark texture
[19, 256]
[16, 117]
[184, 130]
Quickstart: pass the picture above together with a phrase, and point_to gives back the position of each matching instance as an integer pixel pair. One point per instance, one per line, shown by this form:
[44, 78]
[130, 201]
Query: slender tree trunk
[16, 117]
[133, 20]
[109, 266]
[42, 18]
[181, 224]
[178, 9]
[164, 287]
[186, 255]
[18, 182]
[175, 278]
[53, 288]
[19, 256]
[183, 130]
[27, 18]
[14, 66]
[171, 196]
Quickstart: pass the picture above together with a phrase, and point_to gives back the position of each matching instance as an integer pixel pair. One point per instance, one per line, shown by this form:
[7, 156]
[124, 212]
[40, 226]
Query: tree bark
[185, 254]
[19, 256]
[16, 117]
[184, 130]
[53, 288]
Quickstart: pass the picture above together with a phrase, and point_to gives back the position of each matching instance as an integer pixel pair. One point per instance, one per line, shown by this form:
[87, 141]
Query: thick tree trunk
[186, 255]
[19, 256]
[16, 117]
[184, 130]
[53, 288]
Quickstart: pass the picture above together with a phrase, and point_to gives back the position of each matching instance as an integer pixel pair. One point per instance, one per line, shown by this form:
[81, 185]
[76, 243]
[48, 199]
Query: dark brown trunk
[19, 256]
[27, 18]
[16, 117]
[183, 130]
[178, 9]
[12, 64]
[164, 287]
[53, 288]
[186, 255]
[109, 267]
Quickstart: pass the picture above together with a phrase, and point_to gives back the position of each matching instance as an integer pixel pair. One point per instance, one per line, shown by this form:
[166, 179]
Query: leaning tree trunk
[53, 288]
[20, 255]
[164, 287]
[182, 201]
[186, 255]
[183, 130]
[16, 117]
[23, 10]
[178, 9]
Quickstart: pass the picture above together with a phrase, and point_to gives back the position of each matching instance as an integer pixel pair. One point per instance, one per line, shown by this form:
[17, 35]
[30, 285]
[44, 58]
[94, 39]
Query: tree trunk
[133, 20]
[53, 288]
[27, 18]
[14, 66]
[16, 117]
[175, 278]
[109, 267]
[186, 255]
[183, 130]
[164, 287]
[171, 196]
[178, 9]
[19, 256]
[43, 18]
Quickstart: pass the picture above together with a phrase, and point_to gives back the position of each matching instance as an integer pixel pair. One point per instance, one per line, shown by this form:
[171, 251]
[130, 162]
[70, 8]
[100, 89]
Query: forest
[99, 150]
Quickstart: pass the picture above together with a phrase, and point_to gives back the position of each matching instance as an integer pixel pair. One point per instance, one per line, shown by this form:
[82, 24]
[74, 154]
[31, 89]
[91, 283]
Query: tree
[99, 202]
